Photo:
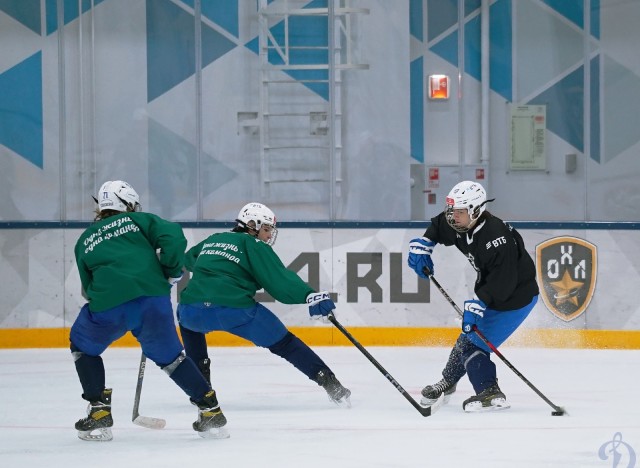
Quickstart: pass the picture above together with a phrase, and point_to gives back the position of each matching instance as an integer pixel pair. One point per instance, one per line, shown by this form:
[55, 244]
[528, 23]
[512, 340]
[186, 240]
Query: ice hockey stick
[428, 411]
[144, 421]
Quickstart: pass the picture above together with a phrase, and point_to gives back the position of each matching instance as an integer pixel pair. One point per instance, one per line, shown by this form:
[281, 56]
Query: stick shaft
[136, 400]
[423, 411]
[144, 421]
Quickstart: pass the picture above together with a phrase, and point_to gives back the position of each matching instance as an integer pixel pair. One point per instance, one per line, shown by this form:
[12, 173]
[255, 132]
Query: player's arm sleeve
[191, 256]
[439, 231]
[167, 237]
[283, 284]
[83, 272]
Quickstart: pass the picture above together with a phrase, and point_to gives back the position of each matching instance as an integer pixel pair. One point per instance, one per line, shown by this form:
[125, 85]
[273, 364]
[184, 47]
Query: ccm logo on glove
[320, 304]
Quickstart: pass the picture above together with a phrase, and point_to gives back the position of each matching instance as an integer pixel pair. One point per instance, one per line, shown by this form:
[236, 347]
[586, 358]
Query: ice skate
[97, 425]
[211, 421]
[489, 399]
[431, 393]
[337, 393]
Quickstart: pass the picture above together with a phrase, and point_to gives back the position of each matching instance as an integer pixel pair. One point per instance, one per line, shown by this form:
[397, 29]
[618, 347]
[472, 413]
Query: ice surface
[278, 418]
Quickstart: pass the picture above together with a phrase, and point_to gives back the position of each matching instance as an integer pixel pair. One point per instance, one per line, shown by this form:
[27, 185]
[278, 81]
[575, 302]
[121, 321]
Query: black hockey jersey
[506, 273]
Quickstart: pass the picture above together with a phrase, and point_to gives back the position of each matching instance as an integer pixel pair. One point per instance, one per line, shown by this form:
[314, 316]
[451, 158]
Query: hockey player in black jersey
[505, 291]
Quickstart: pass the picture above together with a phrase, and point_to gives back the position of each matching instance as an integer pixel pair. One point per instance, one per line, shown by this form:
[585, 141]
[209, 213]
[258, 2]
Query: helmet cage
[465, 195]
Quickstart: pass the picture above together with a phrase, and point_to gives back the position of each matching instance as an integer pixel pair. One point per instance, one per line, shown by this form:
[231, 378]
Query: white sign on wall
[528, 133]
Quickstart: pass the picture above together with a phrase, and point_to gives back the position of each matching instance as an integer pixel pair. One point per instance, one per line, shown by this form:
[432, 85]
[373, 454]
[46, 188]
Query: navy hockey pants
[256, 324]
[149, 319]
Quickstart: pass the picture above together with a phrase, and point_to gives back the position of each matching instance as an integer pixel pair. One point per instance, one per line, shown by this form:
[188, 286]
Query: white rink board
[366, 268]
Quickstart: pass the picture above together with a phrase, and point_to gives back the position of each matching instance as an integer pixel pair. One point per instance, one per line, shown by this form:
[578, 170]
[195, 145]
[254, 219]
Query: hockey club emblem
[566, 268]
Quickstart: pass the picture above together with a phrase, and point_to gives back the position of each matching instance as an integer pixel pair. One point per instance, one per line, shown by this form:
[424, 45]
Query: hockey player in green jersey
[128, 262]
[227, 270]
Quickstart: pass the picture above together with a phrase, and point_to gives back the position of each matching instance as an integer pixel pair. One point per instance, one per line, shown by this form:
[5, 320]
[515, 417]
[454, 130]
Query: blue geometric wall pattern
[26, 12]
[574, 12]
[415, 19]
[472, 51]
[470, 6]
[501, 45]
[500, 41]
[175, 192]
[447, 48]
[171, 46]
[304, 31]
[565, 108]
[21, 127]
[222, 12]
[416, 104]
[443, 14]
[416, 81]
[214, 45]
[544, 62]
[621, 101]
[595, 125]
[70, 11]
[595, 18]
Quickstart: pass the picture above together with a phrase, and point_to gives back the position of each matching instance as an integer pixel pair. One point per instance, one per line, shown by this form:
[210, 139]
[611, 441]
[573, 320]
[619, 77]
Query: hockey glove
[420, 250]
[320, 304]
[473, 313]
[175, 280]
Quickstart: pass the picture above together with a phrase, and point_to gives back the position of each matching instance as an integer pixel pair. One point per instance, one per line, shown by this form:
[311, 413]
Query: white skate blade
[496, 405]
[103, 434]
[215, 433]
[342, 403]
[428, 402]
[150, 423]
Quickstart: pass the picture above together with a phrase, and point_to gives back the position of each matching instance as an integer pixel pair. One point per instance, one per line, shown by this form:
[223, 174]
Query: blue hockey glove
[473, 313]
[420, 250]
[175, 280]
[320, 304]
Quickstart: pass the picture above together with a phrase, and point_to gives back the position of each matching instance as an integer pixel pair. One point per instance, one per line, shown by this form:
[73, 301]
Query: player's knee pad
[184, 372]
[75, 352]
[172, 366]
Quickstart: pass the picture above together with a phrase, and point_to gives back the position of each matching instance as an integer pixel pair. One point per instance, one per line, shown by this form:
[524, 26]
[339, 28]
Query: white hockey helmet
[261, 215]
[467, 195]
[117, 195]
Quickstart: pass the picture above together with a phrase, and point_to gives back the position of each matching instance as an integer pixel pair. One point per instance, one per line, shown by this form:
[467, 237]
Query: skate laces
[441, 386]
[434, 391]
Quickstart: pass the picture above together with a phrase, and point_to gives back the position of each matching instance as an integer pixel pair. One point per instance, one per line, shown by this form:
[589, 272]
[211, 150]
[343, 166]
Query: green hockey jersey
[228, 268]
[128, 255]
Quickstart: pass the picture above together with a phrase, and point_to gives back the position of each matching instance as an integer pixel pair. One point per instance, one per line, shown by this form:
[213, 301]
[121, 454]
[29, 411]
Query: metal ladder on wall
[301, 131]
